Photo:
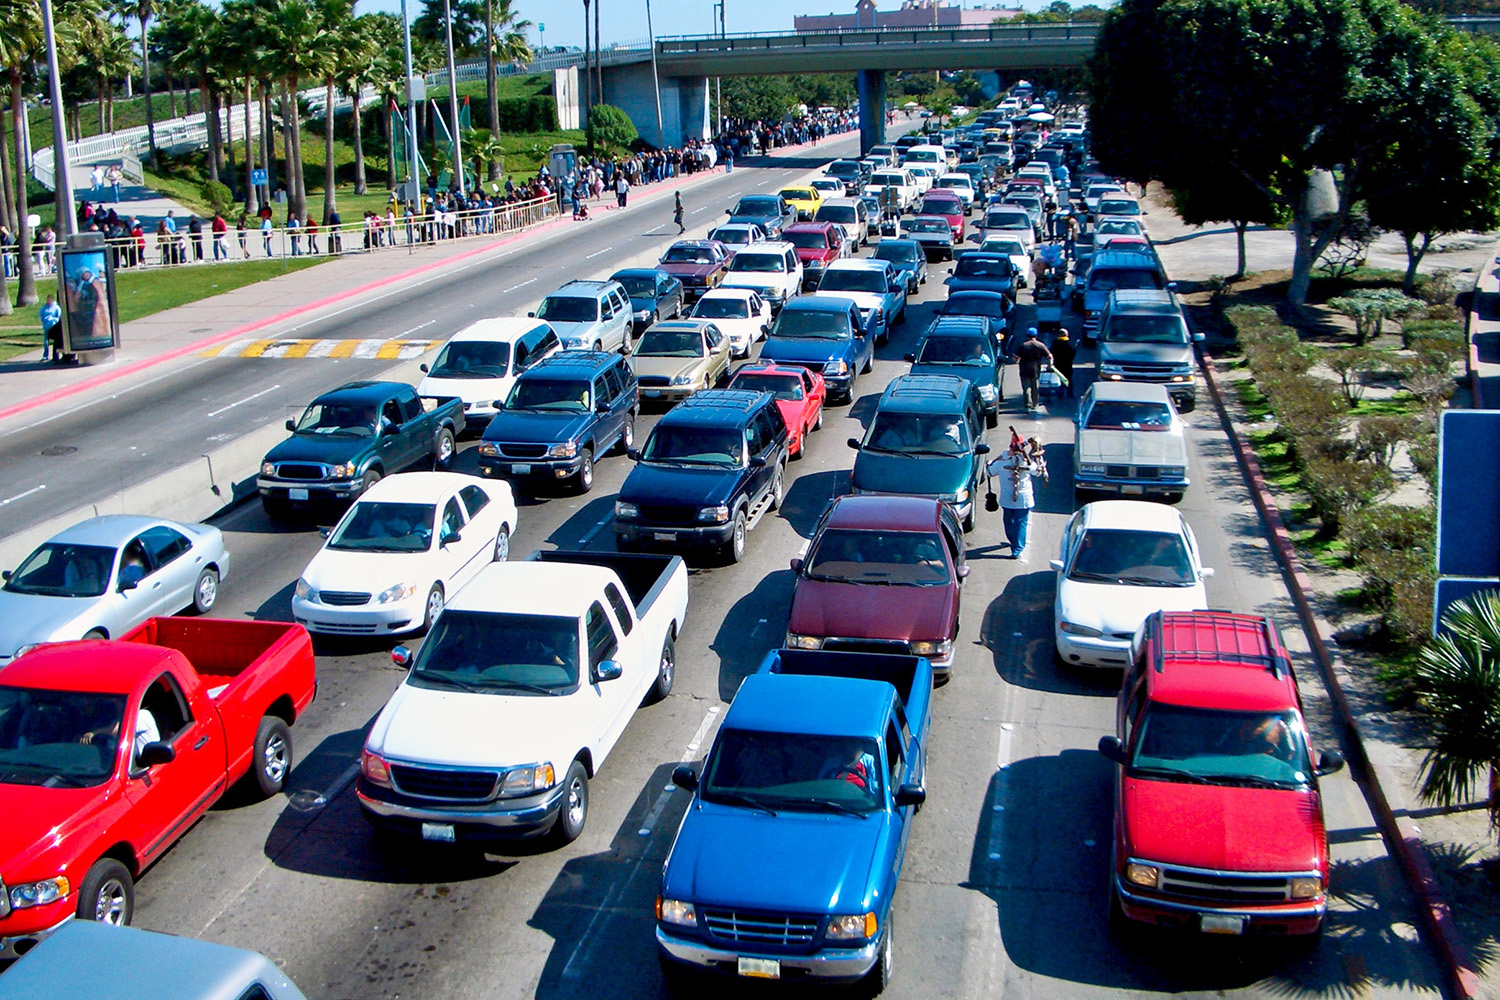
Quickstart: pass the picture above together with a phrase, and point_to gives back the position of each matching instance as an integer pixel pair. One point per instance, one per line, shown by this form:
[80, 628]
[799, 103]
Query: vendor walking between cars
[1030, 357]
[677, 212]
[1011, 475]
[1062, 360]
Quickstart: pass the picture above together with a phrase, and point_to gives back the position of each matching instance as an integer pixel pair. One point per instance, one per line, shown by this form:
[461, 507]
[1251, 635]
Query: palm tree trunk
[102, 129]
[588, 74]
[390, 144]
[267, 139]
[598, 58]
[295, 167]
[211, 120]
[330, 197]
[361, 184]
[251, 201]
[491, 87]
[171, 93]
[146, 95]
[7, 201]
[25, 273]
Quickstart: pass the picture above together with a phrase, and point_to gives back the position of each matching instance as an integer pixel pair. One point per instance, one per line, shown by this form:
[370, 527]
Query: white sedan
[1121, 560]
[1015, 249]
[407, 544]
[740, 313]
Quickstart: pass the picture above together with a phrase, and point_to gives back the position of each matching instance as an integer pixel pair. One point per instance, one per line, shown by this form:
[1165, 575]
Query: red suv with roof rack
[1218, 819]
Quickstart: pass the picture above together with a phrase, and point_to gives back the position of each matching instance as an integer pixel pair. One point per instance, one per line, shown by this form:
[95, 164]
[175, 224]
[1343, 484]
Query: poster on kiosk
[90, 306]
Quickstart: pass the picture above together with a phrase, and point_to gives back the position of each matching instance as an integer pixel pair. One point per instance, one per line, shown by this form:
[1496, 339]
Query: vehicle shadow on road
[808, 497]
[753, 626]
[596, 514]
[1017, 630]
[277, 607]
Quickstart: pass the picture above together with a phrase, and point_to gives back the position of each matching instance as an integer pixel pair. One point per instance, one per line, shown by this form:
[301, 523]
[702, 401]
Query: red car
[941, 201]
[110, 750]
[1218, 818]
[698, 264]
[800, 395]
[818, 245]
[884, 574]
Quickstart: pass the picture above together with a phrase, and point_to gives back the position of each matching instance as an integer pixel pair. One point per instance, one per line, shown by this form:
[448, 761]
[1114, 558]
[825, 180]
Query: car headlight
[1182, 378]
[714, 515]
[345, 471]
[1143, 875]
[489, 450]
[48, 890]
[676, 911]
[528, 780]
[1173, 471]
[643, 314]
[304, 590]
[374, 768]
[855, 927]
[1091, 470]
[1091, 314]
[938, 648]
[962, 496]
[24, 649]
[796, 641]
[1307, 888]
[1072, 628]
[1111, 376]
[987, 393]
[399, 592]
[626, 510]
[565, 450]
[682, 380]
[268, 468]
[839, 367]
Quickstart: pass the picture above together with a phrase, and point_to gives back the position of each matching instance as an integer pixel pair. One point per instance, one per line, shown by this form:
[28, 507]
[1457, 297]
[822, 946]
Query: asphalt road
[1004, 887]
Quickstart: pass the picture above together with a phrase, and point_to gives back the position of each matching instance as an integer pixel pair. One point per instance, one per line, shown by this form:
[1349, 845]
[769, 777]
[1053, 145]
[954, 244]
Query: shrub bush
[1337, 487]
[1377, 438]
[1389, 527]
[1437, 288]
[1353, 366]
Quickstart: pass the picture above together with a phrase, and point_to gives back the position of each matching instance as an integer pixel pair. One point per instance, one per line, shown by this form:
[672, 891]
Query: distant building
[911, 14]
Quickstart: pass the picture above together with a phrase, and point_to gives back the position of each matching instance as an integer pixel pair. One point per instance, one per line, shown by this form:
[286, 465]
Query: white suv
[589, 316]
[771, 268]
[480, 363]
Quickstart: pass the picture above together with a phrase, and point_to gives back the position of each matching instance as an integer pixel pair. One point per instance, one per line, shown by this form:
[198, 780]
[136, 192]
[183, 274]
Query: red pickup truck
[1218, 819]
[111, 749]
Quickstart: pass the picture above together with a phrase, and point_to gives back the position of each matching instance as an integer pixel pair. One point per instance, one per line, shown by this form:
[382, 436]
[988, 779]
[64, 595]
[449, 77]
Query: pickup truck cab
[481, 362]
[771, 268]
[818, 245]
[347, 440]
[770, 212]
[590, 316]
[1144, 337]
[1218, 820]
[819, 764]
[1129, 441]
[698, 264]
[712, 467]
[513, 703]
[874, 287]
[110, 750]
[560, 417]
[826, 334]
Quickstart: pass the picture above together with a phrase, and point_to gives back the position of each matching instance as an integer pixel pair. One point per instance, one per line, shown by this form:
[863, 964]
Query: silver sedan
[104, 576]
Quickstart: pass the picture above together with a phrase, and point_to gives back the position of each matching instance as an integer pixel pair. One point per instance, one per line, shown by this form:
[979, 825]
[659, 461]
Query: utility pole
[661, 133]
[62, 179]
[458, 149]
[718, 93]
[411, 113]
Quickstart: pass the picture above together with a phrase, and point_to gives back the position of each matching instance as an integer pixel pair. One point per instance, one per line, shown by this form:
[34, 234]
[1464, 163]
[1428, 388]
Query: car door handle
[202, 741]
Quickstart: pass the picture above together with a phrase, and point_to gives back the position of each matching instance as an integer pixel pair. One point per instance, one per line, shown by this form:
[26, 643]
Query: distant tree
[967, 88]
[1058, 10]
[753, 98]
[1223, 195]
[610, 129]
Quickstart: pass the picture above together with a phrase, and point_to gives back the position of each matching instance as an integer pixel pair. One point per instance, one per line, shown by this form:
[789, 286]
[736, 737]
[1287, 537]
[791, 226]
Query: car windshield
[758, 263]
[1099, 190]
[1117, 227]
[806, 240]
[798, 194]
[472, 359]
[735, 236]
[812, 324]
[896, 253]
[941, 206]
[693, 445]
[638, 286]
[895, 558]
[1109, 279]
[918, 433]
[722, 308]
[688, 255]
[1030, 202]
[1145, 330]
[562, 395]
[972, 305]
[781, 386]
[1121, 206]
[569, 309]
[348, 419]
[853, 280]
[971, 266]
[1143, 558]
[1221, 747]
[954, 182]
[669, 343]
[376, 526]
[493, 653]
[794, 771]
[926, 226]
[836, 213]
[759, 206]
[1129, 415]
[843, 168]
[1007, 220]
[1011, 248]
[58, 739]
[955, 351]
[60, 569]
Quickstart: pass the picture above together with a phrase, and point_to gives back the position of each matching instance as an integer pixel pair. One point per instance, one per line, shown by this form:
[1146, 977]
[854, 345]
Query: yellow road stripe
[256, 349]
[299, 349]
[275, 348]
[344, 349]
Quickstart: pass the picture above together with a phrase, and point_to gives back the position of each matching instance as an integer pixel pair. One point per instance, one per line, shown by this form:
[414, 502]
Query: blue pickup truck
[819, 764]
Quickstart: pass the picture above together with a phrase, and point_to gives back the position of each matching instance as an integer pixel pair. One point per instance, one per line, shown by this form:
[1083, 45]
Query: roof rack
[1229, 641]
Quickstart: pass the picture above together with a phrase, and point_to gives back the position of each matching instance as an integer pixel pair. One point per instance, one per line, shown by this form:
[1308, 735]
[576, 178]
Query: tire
[583, 479]
[968, 522]
[271, 761]
[279, 511]
[627, 341]
[574, 813]
[502, 545]
[992, 420]
[778, 488]
[666, 671]
[599, 345]
[206, 591]
[734, 549]
[107, 895]
[627, 436]
[879, 978]
[865, 370]
[367, 480]
[432, 607]
[443, 451]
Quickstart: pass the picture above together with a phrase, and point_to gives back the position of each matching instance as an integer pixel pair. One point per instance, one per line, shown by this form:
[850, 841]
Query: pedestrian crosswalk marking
[274, 347]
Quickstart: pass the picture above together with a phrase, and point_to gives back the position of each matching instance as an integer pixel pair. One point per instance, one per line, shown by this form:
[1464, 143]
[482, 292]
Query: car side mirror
[1199, 338]
[911, 358]
[1206, 572]
[1112, 749]
[910, 795]
[325, 531]
[450, 537]
[5, 575]
[1330, 762]
[797, 565]
[601, 407]
[757, 461]
[981, 449]
[499, 404]
[685, 778]
[131, 577]
[390, 430]
[609, 670]
[854, 443]
[401, 657]
[531, 315]
[634, 454]
[962, 572]
[291, 425]
[153, 754]
[423, 367]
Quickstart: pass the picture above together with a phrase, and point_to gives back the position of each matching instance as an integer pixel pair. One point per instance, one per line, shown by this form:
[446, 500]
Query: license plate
[1134, 491]
[443, 833]
[1214, 923]
[664, 536]
[760, 968]
[651, 393]
[521, 470]
[296, 494]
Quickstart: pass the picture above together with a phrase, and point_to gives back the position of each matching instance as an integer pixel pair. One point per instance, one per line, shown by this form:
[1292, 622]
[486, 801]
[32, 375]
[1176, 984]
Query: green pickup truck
[348, 439]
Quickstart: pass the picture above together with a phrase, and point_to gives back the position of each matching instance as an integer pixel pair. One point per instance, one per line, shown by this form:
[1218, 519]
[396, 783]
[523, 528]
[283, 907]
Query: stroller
[1049, 383]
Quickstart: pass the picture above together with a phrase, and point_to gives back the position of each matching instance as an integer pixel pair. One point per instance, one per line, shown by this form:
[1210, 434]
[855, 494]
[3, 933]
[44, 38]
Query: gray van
[1144, 337]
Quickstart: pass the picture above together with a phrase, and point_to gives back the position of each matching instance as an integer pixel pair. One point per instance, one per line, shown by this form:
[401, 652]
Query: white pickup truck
[527, 680]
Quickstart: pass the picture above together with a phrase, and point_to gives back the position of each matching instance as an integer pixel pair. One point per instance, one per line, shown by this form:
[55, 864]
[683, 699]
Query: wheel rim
[109, 905]
[274, 762]
[445, 449]
[586, 473]
[629, 433]
[577, 803]
[739, 536]
[208, 590]
[434, 605]
[779, 490]
[668, 667]
[502, 546]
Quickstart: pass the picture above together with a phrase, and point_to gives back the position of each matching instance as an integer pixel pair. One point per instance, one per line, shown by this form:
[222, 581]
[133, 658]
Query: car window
[135, 562]
[603, 392]
[1138, 558]
[612, 381]
[621, 609]
[715, 337]
[390, 414]
[164, 709]
[453, 518]
[894, 755]
[475, 500]
[164, 544]
[411, 408]
[601, 635]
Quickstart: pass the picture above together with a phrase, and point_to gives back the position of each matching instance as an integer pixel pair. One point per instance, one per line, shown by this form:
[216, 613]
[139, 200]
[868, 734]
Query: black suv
[711, 468]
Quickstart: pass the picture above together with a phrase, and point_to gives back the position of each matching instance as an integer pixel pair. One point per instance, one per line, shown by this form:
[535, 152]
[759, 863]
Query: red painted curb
[1402, 841]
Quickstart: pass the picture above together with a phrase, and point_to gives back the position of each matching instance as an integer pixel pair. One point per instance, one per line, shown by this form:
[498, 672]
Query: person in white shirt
[1012, 474]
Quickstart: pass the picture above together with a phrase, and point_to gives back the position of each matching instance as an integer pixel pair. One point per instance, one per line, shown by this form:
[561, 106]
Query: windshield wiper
[1254, 781]
[1146, 581]
[451, 682]
[828, 805]
[523, 686]
[1083, 574]
[931, 453]
[1171, 772]
[741, 799]
[64, 780]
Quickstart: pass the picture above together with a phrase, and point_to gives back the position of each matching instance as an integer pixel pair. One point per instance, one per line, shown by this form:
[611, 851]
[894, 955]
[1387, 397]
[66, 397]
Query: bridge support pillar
[869, 84]
[685, 108]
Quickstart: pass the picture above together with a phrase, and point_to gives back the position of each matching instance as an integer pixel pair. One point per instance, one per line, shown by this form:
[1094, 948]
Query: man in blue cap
[1030, 357]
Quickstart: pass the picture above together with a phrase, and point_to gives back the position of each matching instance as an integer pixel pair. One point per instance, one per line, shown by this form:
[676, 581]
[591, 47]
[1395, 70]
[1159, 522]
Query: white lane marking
[514, 287]
[414, 329]
[593, 531]
[238, 402]
[95, 402]
[322, 348]
[21, 496]
[697, 210]
[693, 747]
[597, 253]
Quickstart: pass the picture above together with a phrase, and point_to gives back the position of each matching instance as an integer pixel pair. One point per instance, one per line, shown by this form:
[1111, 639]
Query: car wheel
[107, 894]
[271, 761]
[627, 435]
[818, 423]
[1173, 497]
[879, 977]
[778, 489]
[575, 805]
[279, 511]
[992, 420]
[583, 479]
[432, 607]
[367, 480]
[968, 522]
[666, 670]
[206, 591]
[734, 549]
[502, 545]
[442, 454]
[599, 345]
[627, 342]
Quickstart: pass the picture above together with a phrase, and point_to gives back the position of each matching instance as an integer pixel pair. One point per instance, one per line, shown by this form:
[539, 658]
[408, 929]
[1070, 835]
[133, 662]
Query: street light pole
[661, 133]
[458, 149]
[718, 93]
[411, 115]
[62, 180]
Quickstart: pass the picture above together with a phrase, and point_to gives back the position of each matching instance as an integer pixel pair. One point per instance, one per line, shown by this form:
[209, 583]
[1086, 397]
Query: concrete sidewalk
[1484, 334]
[135, 201]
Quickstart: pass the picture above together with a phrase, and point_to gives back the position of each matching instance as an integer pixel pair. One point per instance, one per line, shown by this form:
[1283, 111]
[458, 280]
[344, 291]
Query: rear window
[1110, 279]
[758, 263]
[807, 240]
[836, 213]
[1129, 415]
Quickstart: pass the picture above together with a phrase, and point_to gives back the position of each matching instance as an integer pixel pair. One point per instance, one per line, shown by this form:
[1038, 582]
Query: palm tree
[21, 44]
[301, 45]
[111, 59]
[387, 72]
[328, 56]
[196, 27]
[1458, 683]
[505, 41]
[588, 74]
[357, 68]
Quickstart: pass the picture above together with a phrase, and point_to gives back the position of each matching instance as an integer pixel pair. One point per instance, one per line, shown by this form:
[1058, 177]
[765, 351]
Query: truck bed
[643, 573]
[899, 671]
[219, 649]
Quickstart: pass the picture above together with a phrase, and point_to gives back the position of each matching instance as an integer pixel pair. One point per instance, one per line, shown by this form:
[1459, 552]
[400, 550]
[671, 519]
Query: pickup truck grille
[1225, 887]
[654, 381]
[295, 470]
[1148, 373]
[895, 646]
[661, 514]
[522, 450]
[343, 598]
[433, 783]
[755, 928]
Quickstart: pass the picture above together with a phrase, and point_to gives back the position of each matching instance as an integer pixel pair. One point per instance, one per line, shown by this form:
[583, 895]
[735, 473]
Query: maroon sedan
[883, 574]
[698, 264]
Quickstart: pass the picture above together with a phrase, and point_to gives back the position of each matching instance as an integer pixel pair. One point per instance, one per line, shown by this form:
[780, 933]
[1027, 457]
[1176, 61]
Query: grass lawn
[145, 292]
